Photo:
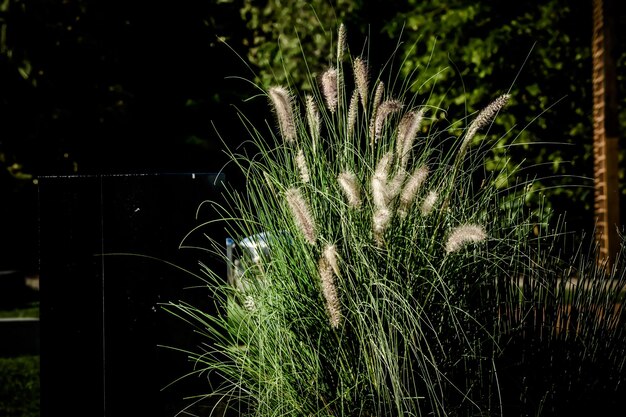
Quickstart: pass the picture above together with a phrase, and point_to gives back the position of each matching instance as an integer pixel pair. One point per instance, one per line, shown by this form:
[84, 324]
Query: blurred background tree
[116, 86]
[90, 86]
[540, 52]
[285, 38]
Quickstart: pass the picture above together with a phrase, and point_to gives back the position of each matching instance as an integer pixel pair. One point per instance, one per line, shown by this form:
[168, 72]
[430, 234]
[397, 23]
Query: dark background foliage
[95, 87]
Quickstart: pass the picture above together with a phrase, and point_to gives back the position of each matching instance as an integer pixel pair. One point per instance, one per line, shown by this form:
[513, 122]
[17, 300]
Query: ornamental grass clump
[399, 279]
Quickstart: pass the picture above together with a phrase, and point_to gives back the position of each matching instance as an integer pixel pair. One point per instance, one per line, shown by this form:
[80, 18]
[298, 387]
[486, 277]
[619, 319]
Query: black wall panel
[105, 244]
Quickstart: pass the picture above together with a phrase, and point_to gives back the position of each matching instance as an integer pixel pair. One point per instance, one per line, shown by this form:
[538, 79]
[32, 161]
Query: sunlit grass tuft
[402, 278]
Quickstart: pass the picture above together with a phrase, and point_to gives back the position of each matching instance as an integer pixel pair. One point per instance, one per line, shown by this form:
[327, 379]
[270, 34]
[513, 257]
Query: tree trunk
[605, 131]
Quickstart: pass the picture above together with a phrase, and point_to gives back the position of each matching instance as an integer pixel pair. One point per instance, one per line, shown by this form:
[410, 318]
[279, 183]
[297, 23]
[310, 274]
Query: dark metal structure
[110, 256]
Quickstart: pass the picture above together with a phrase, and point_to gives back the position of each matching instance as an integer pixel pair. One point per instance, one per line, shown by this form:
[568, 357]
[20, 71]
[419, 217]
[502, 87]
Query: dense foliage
[540, 54]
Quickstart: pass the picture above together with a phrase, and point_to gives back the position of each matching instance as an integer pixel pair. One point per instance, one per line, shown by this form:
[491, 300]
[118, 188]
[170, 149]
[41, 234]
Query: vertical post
[605, 131]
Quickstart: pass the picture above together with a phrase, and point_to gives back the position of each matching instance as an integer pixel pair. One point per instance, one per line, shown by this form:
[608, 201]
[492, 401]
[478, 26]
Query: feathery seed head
[329, 88]
[384, 110]
[348, 182]
[302, 166]
[341, 42]
[329, 291]
[413, 185]
[378, 97]
[380, 222]
[383, 165]
[301, 214]
[361, 80]
[379, 192]
[407, 131]
[313, 119]
[249, 303]
[379, 181]
[330, 254]
[485, 116]
[352, 111]
[429, 202]
[282, 103]
[463, 235]
[395, 184]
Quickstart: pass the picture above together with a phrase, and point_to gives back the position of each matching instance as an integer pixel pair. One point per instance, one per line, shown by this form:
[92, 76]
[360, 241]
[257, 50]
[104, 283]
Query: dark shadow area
[109, 258]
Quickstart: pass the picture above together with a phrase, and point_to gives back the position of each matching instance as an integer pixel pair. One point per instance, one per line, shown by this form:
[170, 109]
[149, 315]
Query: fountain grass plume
[429, 203]
[301, 214]
[341, 41]
[361, 80]
[380, 223]
[463, 235]
[327, 266]
[410, 190]
[378, 97]
[302, 166]
[331, 257]
[396, 183]
[380, 188]
[352, 112]
[407, 131]
[329, 88]
[485, 116]
[313, 120]
[281, 100]
[350, 187]
[386, 108]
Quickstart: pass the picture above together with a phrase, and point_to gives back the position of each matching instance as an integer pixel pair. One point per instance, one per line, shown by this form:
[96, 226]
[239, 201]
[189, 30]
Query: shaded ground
[19, 386]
